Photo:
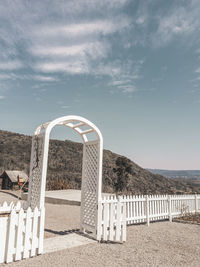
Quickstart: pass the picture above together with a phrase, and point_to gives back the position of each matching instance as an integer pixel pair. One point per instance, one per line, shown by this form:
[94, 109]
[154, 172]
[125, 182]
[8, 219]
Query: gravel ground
[160, 244]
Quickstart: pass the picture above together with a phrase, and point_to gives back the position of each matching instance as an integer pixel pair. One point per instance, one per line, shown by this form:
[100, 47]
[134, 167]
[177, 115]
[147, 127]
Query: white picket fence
[151, 208]
[114, 214]
[112, 219]
[21, 232]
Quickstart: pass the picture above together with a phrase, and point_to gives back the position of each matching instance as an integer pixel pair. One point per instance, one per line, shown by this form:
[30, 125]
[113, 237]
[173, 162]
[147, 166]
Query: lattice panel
[36, 170]
[90, 184]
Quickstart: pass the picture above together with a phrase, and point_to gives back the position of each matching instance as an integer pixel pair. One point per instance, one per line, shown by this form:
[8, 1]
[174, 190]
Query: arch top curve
[74, 122]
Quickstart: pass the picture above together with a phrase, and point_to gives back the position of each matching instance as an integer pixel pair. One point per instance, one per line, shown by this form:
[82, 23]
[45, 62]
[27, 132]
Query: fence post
[147, 209]
[119, 219]
[124, 222]
[196, 203]
[170, 208]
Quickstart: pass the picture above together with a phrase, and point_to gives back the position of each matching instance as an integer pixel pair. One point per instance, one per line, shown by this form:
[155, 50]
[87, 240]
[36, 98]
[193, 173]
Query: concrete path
[67, 241]
[67, 197]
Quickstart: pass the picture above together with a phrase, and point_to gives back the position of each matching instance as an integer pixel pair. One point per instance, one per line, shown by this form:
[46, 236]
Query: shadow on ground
[66, 232]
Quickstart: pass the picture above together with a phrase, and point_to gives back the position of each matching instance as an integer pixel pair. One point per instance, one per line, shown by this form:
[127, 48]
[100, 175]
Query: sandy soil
[8, 196]
[160, 244]
[59, 219]
[189, 218]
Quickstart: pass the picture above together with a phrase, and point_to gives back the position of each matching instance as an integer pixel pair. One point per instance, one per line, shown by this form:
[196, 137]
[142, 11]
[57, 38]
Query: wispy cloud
[69, 38]
[125, 75]
[77, 67]
[65, 107]
[13, 76]
[44, 78]
[11, 65]
[93, 49]
[198, 70]
[84, 47]
[177, 20]
[83, 37]
[82, 29]
[4, 76]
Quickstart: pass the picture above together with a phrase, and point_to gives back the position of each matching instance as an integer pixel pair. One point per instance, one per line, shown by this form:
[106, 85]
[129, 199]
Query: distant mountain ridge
[65, 165]
[183, 174]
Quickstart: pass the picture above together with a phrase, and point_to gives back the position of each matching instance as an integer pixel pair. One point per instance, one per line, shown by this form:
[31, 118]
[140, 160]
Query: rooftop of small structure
[13, 175]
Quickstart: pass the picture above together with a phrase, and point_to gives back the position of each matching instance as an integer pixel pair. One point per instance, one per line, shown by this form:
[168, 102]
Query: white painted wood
[11, 237]
[105, 218]
[118, 224]
[132, 210]
[147, 210]
[111, 230]
[3, 231]
[27, 234]
[170, 208]
[196, 203]
[34, 244]
[99, 222]
[16, 232]
[92, 169]
[19, 245]
[124, 223]
[41, 231]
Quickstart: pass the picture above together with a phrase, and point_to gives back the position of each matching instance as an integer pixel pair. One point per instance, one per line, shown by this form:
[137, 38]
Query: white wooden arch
[91, 168]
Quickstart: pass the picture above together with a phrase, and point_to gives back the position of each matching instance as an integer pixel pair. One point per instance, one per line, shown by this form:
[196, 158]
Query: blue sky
[131, 67]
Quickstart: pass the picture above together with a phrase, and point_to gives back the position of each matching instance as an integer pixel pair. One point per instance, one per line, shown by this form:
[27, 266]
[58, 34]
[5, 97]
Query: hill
[64, 167]
[189, 177]
[182, 174]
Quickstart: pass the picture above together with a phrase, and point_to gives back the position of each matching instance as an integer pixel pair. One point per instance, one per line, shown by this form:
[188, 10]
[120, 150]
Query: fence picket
[147, 209]
[196, 204]
[111, 235]
[118, 223]
[105, 229]
[27, 233]
[41, 231]
[3, 231]
[11, 237]
[18, 255]
[124, 223]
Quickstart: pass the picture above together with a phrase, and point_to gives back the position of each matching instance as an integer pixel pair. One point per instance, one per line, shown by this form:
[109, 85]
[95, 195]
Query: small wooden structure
[13, 179]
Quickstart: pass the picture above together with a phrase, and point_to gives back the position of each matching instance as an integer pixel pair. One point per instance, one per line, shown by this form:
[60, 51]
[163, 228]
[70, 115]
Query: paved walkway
[67, 241]
[67, 197]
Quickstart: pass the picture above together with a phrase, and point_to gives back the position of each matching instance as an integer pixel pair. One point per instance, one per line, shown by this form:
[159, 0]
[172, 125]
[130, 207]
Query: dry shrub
[57, 184]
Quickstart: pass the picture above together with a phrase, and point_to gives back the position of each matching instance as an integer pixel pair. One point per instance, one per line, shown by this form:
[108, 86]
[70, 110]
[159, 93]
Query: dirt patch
[189, 218]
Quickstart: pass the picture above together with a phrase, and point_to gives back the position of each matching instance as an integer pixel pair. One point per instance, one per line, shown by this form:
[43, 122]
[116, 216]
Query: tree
[123, 171]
